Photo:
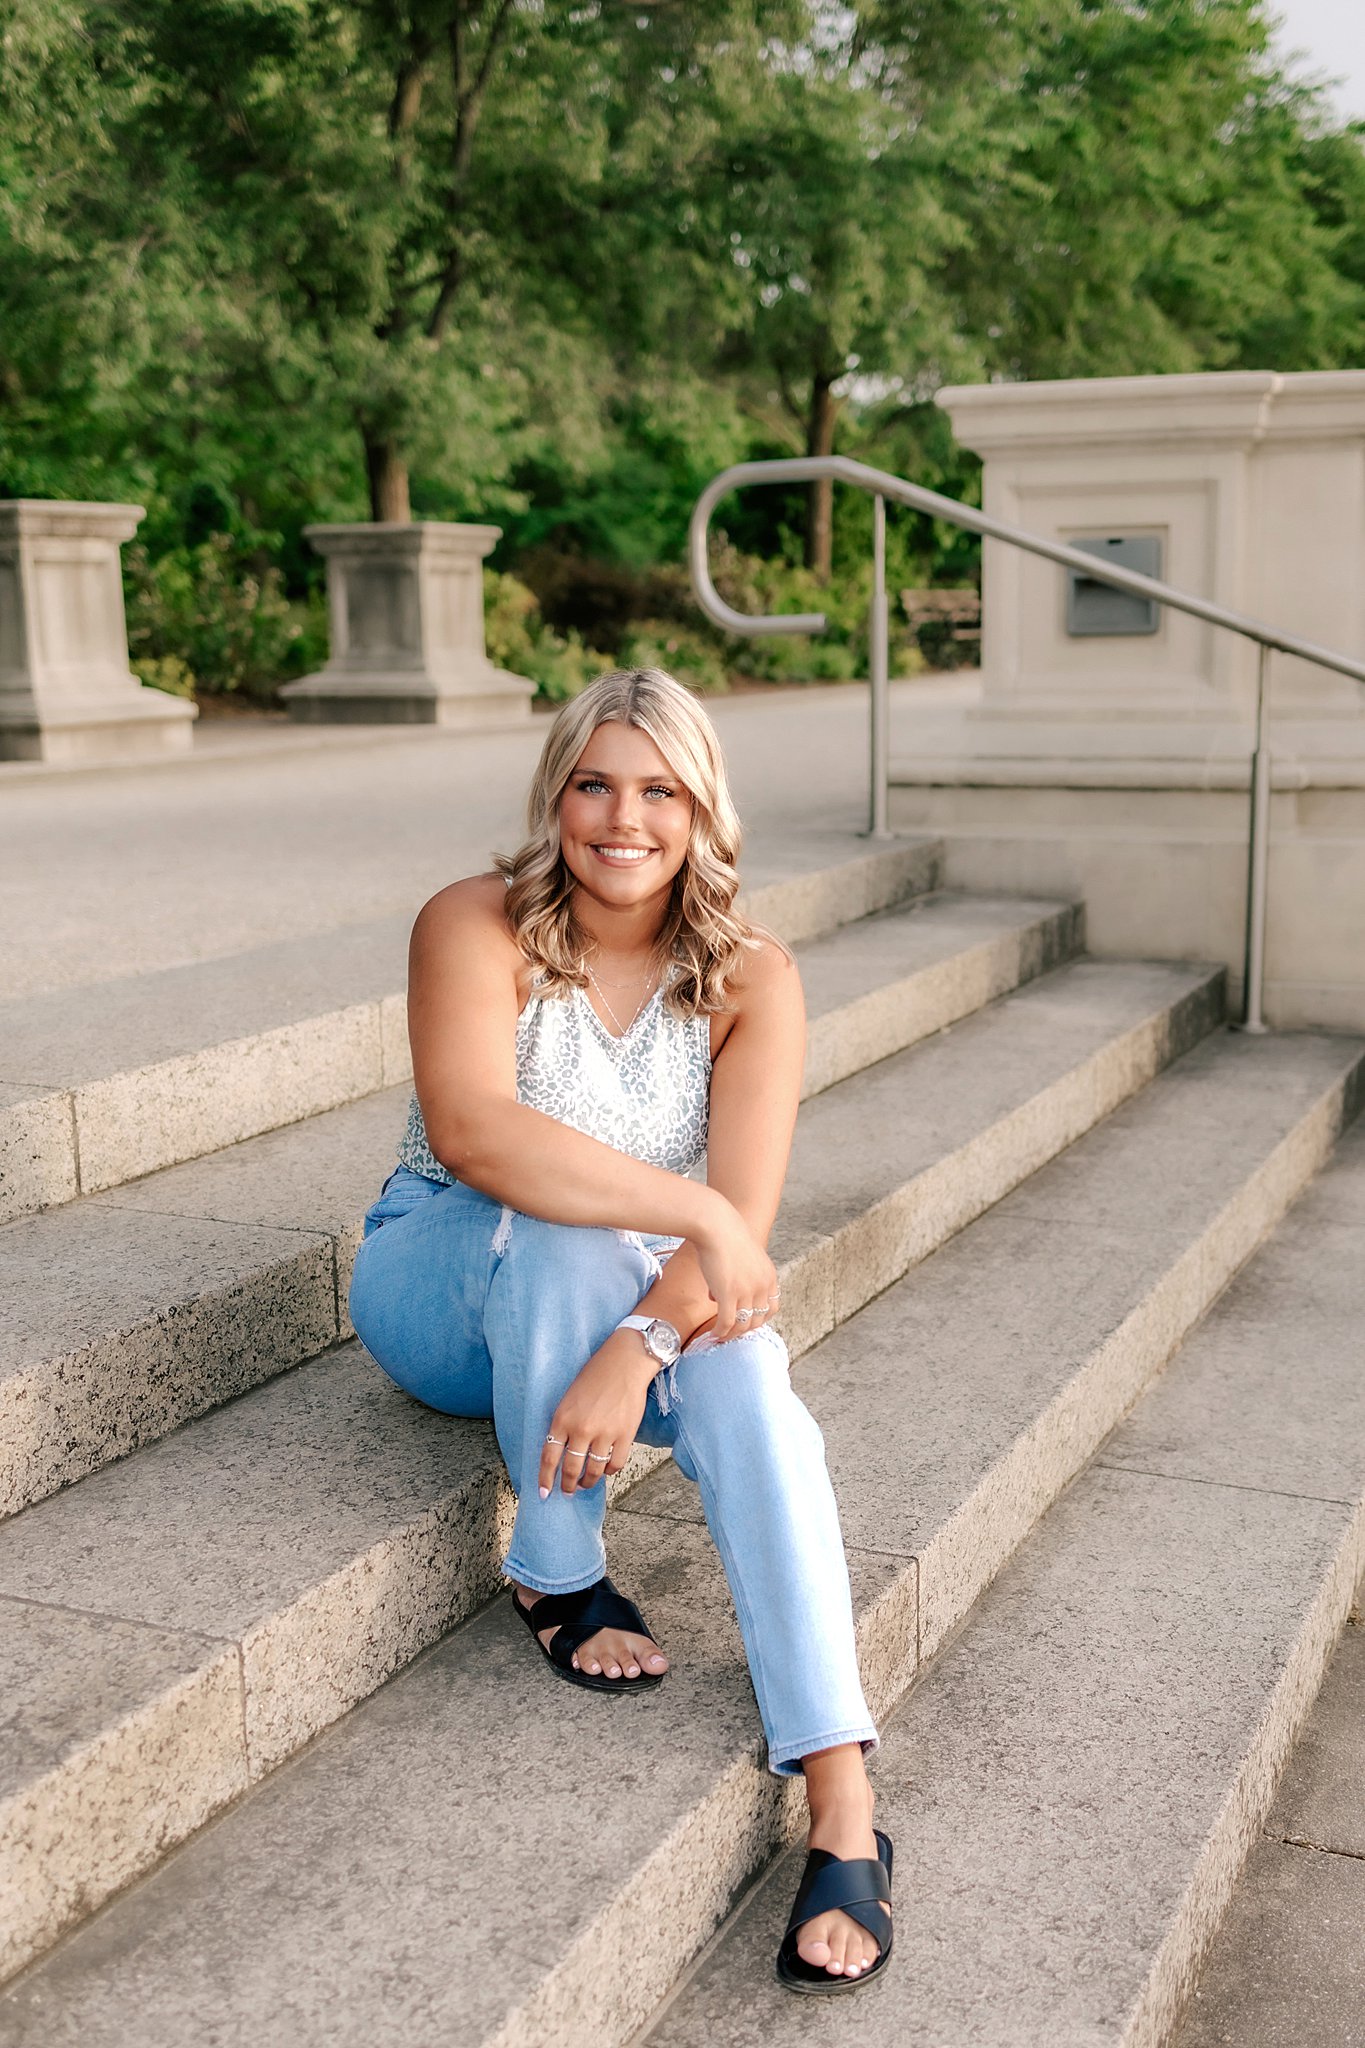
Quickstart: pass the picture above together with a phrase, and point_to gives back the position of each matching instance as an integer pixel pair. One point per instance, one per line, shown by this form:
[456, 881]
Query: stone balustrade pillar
[406, 609]
[1109, 757]
[66, 691]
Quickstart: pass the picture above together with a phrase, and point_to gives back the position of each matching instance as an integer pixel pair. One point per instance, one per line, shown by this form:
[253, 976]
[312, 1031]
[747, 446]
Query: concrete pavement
[283, 834]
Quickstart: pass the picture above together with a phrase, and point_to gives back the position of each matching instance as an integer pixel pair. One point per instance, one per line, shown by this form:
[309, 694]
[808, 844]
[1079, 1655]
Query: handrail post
[1258, 861]
[878, 680]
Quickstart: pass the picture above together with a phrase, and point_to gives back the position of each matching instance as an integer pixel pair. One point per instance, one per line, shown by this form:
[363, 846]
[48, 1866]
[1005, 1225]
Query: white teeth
[624, 853]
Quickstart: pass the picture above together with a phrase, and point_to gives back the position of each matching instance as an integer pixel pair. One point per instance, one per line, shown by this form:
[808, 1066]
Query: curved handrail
[803, 468]
[881, 484]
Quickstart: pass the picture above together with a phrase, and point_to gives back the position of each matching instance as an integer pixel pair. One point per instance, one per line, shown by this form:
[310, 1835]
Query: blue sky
[1331, 36]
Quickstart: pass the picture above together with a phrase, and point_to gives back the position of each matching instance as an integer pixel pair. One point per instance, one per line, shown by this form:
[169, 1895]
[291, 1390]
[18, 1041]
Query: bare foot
[841, 1803]
[610, 1653]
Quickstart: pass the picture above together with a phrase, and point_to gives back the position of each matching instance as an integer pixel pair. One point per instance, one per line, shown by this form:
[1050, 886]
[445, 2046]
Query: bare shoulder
[463, 930]
[476, 903]
[767, 972]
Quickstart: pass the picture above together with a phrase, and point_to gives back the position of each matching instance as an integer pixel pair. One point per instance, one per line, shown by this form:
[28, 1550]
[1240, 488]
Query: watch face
[662, 1341]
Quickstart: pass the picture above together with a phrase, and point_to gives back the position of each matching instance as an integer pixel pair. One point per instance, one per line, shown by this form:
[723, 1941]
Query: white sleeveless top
[646, 1093]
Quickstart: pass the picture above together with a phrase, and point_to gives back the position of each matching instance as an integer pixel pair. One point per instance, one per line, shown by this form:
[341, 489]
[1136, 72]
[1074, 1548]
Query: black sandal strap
[577, 1616]
[856, 1885]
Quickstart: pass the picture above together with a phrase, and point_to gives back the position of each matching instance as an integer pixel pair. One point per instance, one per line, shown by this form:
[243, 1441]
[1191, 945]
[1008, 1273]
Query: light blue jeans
[478, 1310]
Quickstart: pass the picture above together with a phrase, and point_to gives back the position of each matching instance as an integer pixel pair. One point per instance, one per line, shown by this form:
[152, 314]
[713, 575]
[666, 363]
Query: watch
[661, 1340]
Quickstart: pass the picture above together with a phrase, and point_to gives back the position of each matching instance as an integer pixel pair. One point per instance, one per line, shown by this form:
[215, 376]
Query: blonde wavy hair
[702, 932]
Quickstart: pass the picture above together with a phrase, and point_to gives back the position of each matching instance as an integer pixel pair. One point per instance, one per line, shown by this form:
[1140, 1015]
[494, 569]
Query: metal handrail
[882, 485]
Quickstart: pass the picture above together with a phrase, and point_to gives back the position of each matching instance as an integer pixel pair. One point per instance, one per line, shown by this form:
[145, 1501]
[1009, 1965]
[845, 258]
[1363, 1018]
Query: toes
[618, 1656]
[838, 1945]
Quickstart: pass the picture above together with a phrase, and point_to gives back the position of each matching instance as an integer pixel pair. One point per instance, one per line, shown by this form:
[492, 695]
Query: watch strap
[636, 1322]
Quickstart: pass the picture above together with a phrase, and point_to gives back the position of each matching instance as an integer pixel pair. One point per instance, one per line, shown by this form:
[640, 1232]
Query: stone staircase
[1022, 1181]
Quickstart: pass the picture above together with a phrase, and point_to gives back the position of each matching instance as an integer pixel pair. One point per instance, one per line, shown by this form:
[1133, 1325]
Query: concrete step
[101, 1084]
[238, 1586]
[137, 1309]
[1075, 1786]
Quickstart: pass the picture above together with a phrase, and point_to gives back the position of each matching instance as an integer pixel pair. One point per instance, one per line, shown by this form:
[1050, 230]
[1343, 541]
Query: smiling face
[624, 818]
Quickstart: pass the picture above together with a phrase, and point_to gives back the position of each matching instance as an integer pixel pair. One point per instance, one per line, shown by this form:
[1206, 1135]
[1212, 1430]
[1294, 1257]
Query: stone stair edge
[1288, 1669]
[969, 1548]
[293, 1291]
[75, 1135]
[457, 1546]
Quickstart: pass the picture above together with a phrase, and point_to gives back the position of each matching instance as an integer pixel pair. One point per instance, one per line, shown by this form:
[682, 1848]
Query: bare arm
[755, 1091]
[755, 1088]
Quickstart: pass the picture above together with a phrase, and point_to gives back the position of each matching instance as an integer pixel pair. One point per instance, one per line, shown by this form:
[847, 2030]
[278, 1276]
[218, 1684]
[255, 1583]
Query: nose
[626, 816]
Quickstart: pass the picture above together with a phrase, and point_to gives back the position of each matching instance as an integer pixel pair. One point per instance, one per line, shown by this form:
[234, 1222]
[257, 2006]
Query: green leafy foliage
[265, 262]
[203, 618]
[517, 638]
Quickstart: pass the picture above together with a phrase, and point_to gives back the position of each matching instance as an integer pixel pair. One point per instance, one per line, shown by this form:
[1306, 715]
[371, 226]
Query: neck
[628, 938]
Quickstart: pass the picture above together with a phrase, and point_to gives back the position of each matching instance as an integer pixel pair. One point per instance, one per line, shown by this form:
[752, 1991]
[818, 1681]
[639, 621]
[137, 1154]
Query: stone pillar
[1117, 767]
[1252, 483]
[406, 610]
[66, 691]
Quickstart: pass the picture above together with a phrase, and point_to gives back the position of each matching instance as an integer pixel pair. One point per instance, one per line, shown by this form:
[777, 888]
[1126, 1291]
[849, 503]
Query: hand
[740, 1276]
[600, 1413]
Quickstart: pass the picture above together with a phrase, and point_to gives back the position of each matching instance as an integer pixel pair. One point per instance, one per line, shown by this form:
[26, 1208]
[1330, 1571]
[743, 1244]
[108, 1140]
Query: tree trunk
[388, 474]
[824, 410]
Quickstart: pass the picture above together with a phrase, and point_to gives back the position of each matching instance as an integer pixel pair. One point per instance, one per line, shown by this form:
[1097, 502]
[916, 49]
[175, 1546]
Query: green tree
[412, 199]
[820, 209]
[1148, 210]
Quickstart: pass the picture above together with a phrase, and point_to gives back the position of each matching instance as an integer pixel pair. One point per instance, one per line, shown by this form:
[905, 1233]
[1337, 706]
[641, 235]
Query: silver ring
[554, 1439]
[742, 1315]
[602, 1456]
[572, 1453]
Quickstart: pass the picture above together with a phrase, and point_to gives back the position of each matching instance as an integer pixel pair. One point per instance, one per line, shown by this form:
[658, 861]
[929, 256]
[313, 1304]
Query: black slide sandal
[576, 1616]
[855, 1885]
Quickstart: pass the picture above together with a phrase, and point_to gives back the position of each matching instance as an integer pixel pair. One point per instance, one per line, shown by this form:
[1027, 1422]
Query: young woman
[587, 1024]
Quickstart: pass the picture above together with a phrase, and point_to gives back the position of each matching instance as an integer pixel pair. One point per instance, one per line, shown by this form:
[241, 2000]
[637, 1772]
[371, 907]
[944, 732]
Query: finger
[597, 1462]
[571, 1472]
[551, 1451]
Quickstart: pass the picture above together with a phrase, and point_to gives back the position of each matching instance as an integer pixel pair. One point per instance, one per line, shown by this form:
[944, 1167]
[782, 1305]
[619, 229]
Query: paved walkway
[289, 831]
[1287, 1969]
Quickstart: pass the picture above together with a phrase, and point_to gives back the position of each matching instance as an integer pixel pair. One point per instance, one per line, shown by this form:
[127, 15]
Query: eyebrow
[601, 775]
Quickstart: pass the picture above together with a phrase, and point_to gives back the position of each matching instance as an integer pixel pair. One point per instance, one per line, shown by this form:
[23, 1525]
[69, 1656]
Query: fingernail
[545, 1493]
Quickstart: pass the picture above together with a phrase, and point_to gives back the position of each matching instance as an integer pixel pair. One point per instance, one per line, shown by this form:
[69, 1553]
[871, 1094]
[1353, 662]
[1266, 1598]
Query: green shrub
[604, 601]
[759, 584]
[207, 619]
[518, 639]
[165, 672]
[694, 656]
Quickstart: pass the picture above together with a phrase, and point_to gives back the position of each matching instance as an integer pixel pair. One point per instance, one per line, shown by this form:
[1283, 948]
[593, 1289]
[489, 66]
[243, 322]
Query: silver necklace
[621, 1029]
